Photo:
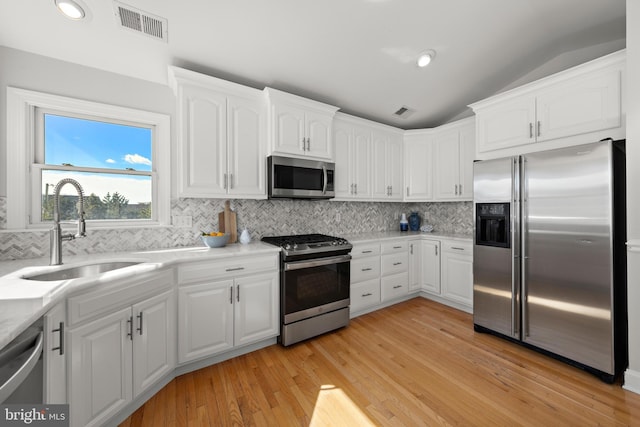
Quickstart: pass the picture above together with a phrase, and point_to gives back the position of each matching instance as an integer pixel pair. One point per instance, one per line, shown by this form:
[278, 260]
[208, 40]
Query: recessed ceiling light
[426, 57]
[70, 9]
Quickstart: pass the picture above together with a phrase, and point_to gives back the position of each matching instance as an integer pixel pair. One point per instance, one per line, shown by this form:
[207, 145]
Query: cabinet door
[256, 308]
[154, 343]
[362, 163]
[55, 350]
[205, 319]
[343, 183]
[395, 169]
[467, 154]
[365, 294]
[379, 166]
[430, 253]
[318, 132]
[288, 124]
[202, 161]
[508, 124]
[100, 360]
[418, 158]
[415, 265]
[246, 132]
[447, 162]
[584, 104]
[457, 277]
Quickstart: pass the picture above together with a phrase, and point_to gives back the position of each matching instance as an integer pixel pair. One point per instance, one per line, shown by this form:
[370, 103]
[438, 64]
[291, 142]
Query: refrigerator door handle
[515, 248]
[523, 250]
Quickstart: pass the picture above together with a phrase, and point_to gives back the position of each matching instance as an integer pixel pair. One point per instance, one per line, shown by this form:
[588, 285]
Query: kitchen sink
[81, 271]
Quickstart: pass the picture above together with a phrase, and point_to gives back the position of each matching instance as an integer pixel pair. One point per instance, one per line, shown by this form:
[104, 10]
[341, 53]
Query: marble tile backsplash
[260, 217]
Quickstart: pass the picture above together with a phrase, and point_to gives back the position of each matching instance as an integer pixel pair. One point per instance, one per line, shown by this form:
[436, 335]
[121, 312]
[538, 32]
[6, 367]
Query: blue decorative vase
[414, 221]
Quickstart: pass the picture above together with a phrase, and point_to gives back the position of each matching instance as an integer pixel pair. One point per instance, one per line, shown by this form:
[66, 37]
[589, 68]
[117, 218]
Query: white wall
[632, 376]
[39, 73]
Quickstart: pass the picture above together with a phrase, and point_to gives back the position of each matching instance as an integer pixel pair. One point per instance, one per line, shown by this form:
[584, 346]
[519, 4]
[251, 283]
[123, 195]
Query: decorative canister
[414, 221]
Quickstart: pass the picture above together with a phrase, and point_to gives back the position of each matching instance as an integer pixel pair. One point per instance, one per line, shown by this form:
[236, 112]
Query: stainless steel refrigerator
[549, 253]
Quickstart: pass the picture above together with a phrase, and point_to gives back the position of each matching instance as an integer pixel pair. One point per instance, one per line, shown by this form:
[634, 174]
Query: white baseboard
[632, 381]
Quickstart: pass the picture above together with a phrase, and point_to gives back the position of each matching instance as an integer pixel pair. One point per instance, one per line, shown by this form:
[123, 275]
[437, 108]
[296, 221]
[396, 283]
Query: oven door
[315, 286]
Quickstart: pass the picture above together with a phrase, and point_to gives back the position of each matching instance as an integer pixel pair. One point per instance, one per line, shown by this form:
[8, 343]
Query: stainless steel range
[314, 285]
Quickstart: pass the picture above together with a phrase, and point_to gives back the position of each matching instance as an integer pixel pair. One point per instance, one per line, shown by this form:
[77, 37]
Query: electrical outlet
[338, 217]
[182, 221]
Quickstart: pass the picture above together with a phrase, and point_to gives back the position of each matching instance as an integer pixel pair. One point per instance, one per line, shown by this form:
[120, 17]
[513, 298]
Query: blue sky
[96, 144]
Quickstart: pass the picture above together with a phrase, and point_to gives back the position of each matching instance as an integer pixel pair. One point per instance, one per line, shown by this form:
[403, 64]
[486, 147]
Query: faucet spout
[55, 235]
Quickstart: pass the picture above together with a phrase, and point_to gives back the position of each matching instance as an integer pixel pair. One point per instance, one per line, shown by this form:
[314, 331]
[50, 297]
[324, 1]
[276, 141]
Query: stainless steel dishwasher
[21, 374]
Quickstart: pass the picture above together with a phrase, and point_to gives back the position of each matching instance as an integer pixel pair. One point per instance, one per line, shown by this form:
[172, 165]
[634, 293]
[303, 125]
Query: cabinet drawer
[365, 294]
[396, 246]
[394, 286]
[226, 267]
[365, 269]
[95, 303]
[365, 250]
[462, 248]
[394, 263]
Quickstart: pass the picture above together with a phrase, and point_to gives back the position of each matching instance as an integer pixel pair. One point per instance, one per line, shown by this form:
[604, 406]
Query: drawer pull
[397, 247]
[397, 286]
[397, 263]
[457, 248]
[367, 269]
[235, 269]
[368, 294]
[366, 252]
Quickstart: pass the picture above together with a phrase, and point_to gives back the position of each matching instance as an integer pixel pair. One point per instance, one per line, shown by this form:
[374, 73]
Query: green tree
[115, 205]
[93, 207]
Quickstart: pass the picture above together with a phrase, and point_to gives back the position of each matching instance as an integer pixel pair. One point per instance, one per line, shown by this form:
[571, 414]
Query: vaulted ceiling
[358, 55]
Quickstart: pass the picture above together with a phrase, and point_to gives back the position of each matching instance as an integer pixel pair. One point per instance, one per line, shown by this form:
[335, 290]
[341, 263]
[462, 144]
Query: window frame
[25, 144]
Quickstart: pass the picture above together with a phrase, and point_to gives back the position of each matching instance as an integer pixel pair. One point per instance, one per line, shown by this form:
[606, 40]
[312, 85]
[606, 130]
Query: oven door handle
[297, 265]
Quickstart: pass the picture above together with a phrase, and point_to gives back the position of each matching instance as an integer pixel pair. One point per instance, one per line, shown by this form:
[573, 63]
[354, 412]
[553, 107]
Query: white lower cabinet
[394, 269]
[115, 357]
[430, 273]
[55, 360]
[457, 272]
[394, 286]
[218, 315]
[365, 276]
[415, 264]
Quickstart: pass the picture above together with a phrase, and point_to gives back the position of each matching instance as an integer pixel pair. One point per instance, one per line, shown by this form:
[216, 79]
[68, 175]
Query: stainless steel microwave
[294, 178]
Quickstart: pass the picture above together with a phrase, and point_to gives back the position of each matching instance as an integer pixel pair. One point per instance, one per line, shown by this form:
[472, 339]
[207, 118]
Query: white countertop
[24, 301]
[387, 235]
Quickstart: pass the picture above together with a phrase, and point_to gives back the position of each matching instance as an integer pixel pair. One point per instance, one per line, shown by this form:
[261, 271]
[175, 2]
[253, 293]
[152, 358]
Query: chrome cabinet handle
[308, 144]
[436, 250]
[367, 269]
[356, 188]
[60, 347]
[412, 249]
[226, 181]
[530, 130]
[368, 294]
[139, 328]
[238, 293]
[230, 294]
[457, 248]
[397, 247]
[366, 252]
[407, 191]
[130, 333]
[538, 126]
[235, 269]
[460, 189]
[230, 181]
[397, 263]
[304, 146]
[456, 189]
[397, 286]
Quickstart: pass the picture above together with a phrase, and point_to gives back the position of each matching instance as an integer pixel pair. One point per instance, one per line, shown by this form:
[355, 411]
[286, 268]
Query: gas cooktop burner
[308, 243]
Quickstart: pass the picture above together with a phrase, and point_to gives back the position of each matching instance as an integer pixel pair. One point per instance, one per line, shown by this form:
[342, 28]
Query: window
[118, 155]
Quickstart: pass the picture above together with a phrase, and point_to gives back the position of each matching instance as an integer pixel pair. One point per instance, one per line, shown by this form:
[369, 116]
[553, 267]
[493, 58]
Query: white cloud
[137, 159]
[110, 161]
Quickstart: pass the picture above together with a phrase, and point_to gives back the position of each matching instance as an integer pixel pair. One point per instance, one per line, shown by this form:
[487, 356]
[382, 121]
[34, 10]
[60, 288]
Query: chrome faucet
[56, 236]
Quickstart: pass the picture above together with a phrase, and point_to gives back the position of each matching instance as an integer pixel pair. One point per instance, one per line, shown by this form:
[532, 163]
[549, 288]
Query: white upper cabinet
[578, 105]
[353, 160]
[299, 126]
[221, 137]
[454, 152]
[418, 165]
[387, 165]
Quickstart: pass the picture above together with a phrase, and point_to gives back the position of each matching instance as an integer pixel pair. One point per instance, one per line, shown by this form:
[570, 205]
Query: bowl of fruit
[215, 239]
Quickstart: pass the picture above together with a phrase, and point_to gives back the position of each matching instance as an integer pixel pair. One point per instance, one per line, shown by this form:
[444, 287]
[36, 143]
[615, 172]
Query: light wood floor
[415, 363]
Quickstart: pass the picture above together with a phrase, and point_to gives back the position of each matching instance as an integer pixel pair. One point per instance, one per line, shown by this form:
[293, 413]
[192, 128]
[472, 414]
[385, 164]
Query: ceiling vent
[404, 112]
[141, 22]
